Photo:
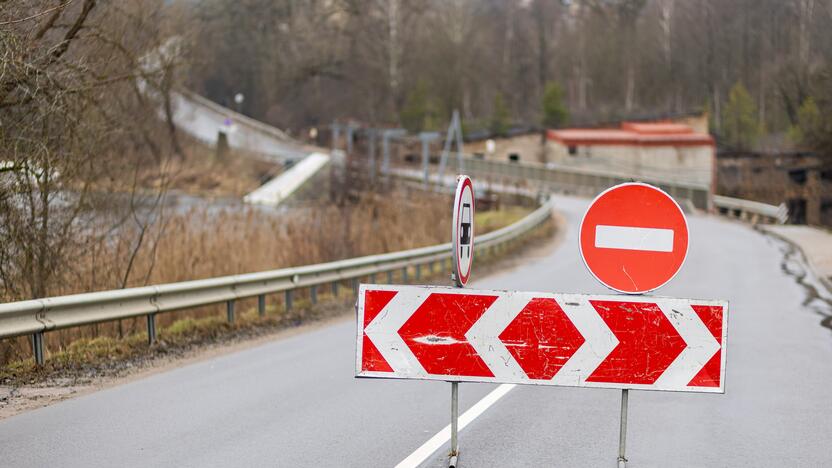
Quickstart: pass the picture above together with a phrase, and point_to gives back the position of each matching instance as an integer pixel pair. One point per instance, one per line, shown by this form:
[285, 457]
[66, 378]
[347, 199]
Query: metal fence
[36, 317]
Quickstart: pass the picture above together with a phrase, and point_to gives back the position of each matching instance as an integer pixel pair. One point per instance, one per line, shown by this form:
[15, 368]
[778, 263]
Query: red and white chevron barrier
[626, 342]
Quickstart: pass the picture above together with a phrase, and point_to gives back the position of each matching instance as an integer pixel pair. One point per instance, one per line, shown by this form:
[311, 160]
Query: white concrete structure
[283, 186]
[654, 150]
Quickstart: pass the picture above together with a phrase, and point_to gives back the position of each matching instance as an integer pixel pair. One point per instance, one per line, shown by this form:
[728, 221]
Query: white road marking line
[633, 238]
[434, 443]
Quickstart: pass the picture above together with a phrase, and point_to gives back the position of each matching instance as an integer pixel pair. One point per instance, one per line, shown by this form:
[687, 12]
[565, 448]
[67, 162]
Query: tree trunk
[393, 51]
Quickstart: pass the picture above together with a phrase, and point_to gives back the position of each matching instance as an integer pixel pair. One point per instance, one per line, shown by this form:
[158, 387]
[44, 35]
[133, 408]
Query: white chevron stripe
[599, 340]
[701, 345]
[484, 335]
[383, 331]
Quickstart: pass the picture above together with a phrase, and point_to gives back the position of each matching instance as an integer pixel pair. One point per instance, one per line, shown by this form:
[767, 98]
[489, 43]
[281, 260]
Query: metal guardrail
[35, 317]
[751, 211]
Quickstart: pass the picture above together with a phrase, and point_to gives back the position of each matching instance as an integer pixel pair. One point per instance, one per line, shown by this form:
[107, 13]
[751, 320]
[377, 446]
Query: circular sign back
[463, 230]
[634, 238]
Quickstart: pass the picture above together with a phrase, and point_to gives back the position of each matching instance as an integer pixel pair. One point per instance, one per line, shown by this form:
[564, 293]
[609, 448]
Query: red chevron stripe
[371, 358]
[541, 338]
[436, 334]
[709, 376]
[648, 343]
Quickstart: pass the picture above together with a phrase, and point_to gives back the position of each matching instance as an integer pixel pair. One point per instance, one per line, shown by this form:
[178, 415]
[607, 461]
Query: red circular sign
[634, 238]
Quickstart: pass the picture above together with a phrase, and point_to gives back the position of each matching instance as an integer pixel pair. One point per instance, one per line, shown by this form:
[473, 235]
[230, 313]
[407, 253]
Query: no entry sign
[441, 333]
[634, 238]
[463, 230]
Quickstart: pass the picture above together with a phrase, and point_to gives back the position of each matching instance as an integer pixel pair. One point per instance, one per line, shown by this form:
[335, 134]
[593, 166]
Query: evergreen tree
[500, 117]
[741, 129]
[808, 124]
[419, 112]
[554, 111]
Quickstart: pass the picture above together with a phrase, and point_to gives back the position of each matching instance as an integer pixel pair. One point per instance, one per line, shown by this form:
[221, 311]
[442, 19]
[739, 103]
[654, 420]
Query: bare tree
[69, 129]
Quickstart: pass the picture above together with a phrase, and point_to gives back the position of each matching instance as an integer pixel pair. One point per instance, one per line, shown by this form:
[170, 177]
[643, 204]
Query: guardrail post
[373, 278]
[37, 347]
[288, 298]
[355, 287]
[313, 294]
[261, 305]
[404, 275]
[335, 288]
[151, 328]
[229, 310]
[390, 277]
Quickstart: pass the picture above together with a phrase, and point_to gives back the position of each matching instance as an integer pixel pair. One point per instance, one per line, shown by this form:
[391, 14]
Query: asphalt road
[294, 402]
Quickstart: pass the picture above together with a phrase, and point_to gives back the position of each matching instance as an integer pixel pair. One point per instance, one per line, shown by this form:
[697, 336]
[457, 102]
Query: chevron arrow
[435, 333]
[578, 340]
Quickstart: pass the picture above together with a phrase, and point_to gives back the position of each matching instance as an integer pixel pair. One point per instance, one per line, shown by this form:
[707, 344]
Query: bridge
[293, 401]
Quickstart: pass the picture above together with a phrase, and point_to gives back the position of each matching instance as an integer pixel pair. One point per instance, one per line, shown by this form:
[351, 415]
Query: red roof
[633, 134]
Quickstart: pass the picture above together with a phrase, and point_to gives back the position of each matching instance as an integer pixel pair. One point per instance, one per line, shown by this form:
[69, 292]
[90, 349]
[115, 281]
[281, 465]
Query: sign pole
[454, 424]
[633, 239]
[462, 243]
[622, 436]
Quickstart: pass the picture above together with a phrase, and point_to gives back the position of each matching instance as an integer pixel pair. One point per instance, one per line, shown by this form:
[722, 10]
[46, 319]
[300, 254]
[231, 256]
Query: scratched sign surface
[451, 334]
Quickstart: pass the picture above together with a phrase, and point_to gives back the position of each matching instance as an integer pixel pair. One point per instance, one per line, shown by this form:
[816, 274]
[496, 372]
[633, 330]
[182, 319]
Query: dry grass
[201, 172]
[210, 242]
[486, 221]
[87, 358]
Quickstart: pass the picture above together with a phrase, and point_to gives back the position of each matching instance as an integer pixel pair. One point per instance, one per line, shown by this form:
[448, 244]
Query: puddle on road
[818, 298]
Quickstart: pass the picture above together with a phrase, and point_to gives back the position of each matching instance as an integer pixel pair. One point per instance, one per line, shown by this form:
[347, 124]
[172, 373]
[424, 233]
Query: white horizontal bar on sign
[633, 238]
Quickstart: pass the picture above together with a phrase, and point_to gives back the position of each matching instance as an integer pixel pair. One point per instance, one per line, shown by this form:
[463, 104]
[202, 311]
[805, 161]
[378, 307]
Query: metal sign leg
[454, 424]
[622, 438]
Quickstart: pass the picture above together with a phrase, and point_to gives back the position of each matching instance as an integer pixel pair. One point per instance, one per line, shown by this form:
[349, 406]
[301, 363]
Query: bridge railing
[574, 180]
[590, 182]
[38, 316]
[752, 211]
